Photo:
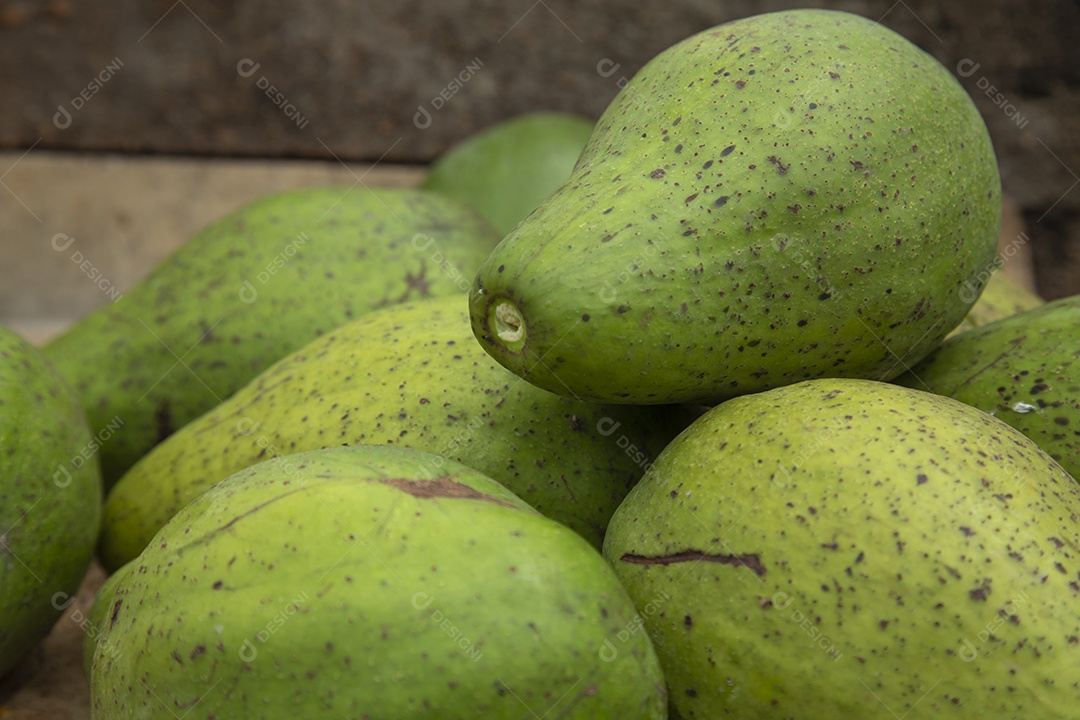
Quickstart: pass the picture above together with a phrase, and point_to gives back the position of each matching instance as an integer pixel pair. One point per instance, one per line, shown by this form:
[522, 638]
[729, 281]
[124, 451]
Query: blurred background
[129, 125]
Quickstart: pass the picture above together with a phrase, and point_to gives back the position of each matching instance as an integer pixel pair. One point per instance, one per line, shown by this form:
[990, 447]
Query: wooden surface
[49, 684]
[123, 216]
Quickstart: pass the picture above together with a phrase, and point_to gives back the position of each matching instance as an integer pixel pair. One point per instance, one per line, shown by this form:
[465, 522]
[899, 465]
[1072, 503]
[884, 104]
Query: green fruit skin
[873, 549]
[97, 620]
[793, 195]
[508, 169]
[50, 497]
[1024, 370]
[248, 290]
[409, 375]
[358, 585]
[1002, 297]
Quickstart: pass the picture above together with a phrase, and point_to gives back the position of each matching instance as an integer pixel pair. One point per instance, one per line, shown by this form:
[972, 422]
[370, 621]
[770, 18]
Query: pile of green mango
[739, 418]
[248, 290]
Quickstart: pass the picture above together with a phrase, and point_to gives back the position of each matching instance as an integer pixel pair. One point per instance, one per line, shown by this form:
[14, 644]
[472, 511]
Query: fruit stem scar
[751, 562]
[509, 323]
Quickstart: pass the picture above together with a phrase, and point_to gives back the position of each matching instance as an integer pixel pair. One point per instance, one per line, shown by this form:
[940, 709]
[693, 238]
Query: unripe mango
[506, 170]
[356, 584]
[50, 496]
[408, 375]
[793, 195]
[1024, 370]
[249, 289]
[844, 548]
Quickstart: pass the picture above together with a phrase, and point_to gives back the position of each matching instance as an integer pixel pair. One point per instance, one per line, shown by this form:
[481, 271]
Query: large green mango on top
[789, 196]
[248, 290]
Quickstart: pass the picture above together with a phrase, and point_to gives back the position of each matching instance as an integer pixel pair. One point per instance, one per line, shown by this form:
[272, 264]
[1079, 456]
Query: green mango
[1002, 297]
[248, 290]
[97, 619]
[50, 497]
[410, 375]
[1024, 370]
[793, 195]
[506, 170]
[354, 583]
[844, 548]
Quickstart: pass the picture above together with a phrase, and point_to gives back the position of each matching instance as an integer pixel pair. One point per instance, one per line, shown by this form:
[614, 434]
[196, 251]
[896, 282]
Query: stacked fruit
[695, 443]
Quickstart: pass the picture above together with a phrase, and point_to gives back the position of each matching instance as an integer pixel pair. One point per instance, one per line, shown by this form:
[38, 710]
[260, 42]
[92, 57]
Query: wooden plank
[403, 80]
[123, 216]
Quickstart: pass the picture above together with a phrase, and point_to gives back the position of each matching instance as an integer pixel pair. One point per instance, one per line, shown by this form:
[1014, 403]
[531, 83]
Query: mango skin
[404, 375]
[50, 496]
[793, 195]
[1024, 370]
[355, 584]
[249, 289]
[871, 549]
[97, 619]
[506, 170]
[1001, 297]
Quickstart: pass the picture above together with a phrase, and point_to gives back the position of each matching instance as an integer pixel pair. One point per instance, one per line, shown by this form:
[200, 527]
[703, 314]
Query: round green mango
[844, 548]
[353, 583]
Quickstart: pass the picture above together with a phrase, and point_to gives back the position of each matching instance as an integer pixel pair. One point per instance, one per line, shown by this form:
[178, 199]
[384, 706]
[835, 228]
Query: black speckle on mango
[1019, 369]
